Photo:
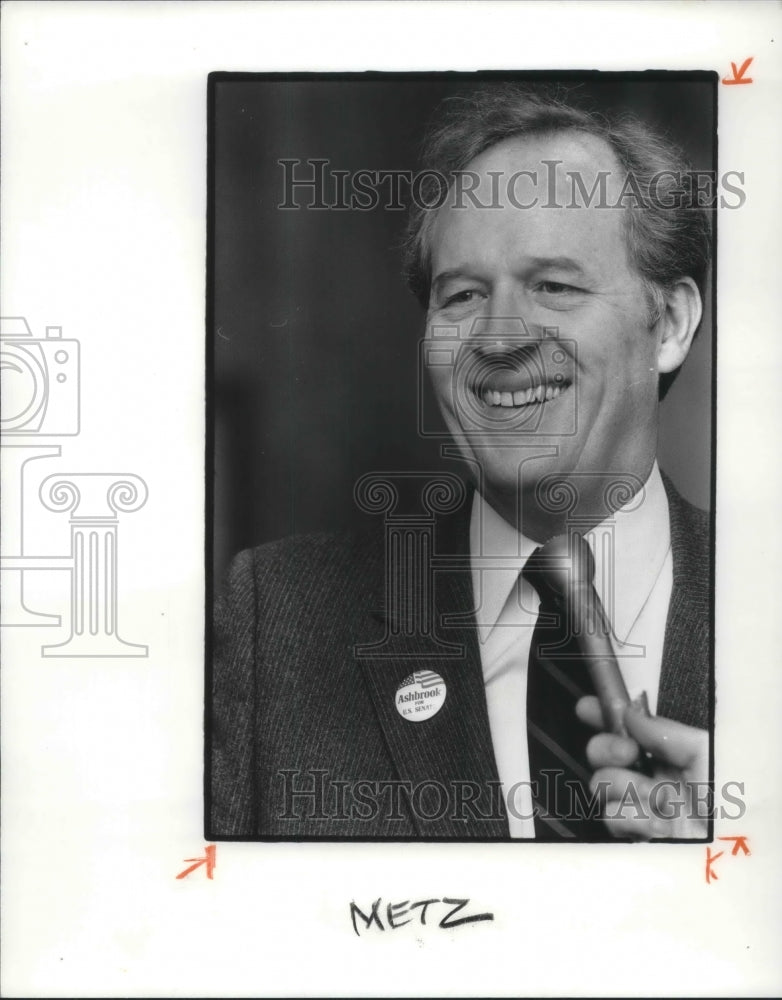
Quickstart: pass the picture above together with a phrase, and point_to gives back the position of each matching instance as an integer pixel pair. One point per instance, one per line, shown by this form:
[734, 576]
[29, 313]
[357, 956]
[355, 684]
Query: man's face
[555, 362]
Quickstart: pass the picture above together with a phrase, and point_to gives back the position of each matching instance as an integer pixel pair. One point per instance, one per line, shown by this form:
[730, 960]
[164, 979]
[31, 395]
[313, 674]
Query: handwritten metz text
[398, 914]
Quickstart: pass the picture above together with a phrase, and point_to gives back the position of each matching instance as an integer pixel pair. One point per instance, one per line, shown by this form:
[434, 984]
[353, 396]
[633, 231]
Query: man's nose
[500, 334]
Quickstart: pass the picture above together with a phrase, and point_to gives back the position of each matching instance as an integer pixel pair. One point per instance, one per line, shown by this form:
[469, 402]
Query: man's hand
[675, 802]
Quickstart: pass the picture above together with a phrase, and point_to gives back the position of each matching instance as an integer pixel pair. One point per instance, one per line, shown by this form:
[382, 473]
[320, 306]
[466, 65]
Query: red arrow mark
[740, 844]
[710, 859]
[209, 859]
[738, 74]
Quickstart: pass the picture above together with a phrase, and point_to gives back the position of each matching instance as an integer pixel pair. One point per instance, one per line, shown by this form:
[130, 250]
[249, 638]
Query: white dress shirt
[635, 596]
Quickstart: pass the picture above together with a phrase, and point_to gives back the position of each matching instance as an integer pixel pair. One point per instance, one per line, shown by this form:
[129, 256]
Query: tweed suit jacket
[306, 668]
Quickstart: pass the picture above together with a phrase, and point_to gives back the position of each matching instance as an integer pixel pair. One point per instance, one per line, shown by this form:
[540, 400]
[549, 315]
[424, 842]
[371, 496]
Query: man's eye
[556, 287]
[460, 298]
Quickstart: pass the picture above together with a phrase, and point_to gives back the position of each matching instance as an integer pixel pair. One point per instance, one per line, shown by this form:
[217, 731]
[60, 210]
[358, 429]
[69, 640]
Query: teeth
[523, 397]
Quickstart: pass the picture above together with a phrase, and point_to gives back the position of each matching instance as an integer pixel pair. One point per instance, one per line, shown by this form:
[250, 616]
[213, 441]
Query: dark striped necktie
[556, 679]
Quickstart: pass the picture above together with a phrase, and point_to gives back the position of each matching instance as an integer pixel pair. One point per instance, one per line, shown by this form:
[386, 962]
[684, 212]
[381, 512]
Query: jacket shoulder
[309, 567]
[317, 551]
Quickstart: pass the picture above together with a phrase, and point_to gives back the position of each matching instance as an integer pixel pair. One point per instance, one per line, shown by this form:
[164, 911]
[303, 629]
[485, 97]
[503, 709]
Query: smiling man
[524, 286]
[561, 259]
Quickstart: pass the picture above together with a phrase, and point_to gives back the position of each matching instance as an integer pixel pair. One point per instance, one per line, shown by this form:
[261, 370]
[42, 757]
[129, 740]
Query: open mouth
[543, 392]
[512, 387]
[517, 379]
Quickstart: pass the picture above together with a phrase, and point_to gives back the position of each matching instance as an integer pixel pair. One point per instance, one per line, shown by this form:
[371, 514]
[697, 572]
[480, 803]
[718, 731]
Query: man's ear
[678, 323]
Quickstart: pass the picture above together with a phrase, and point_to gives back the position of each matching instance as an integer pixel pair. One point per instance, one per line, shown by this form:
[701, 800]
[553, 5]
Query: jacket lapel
[447, 758]
[686, 686]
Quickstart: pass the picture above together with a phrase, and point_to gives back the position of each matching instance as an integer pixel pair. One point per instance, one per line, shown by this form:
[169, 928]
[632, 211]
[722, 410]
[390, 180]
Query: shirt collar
[638, 535]
[498, 553]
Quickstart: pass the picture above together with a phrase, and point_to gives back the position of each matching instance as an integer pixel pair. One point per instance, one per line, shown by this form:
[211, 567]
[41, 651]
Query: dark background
[313, 332]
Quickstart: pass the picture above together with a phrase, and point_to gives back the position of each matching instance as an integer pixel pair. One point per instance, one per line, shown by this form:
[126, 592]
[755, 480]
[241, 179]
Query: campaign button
[420, 696]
